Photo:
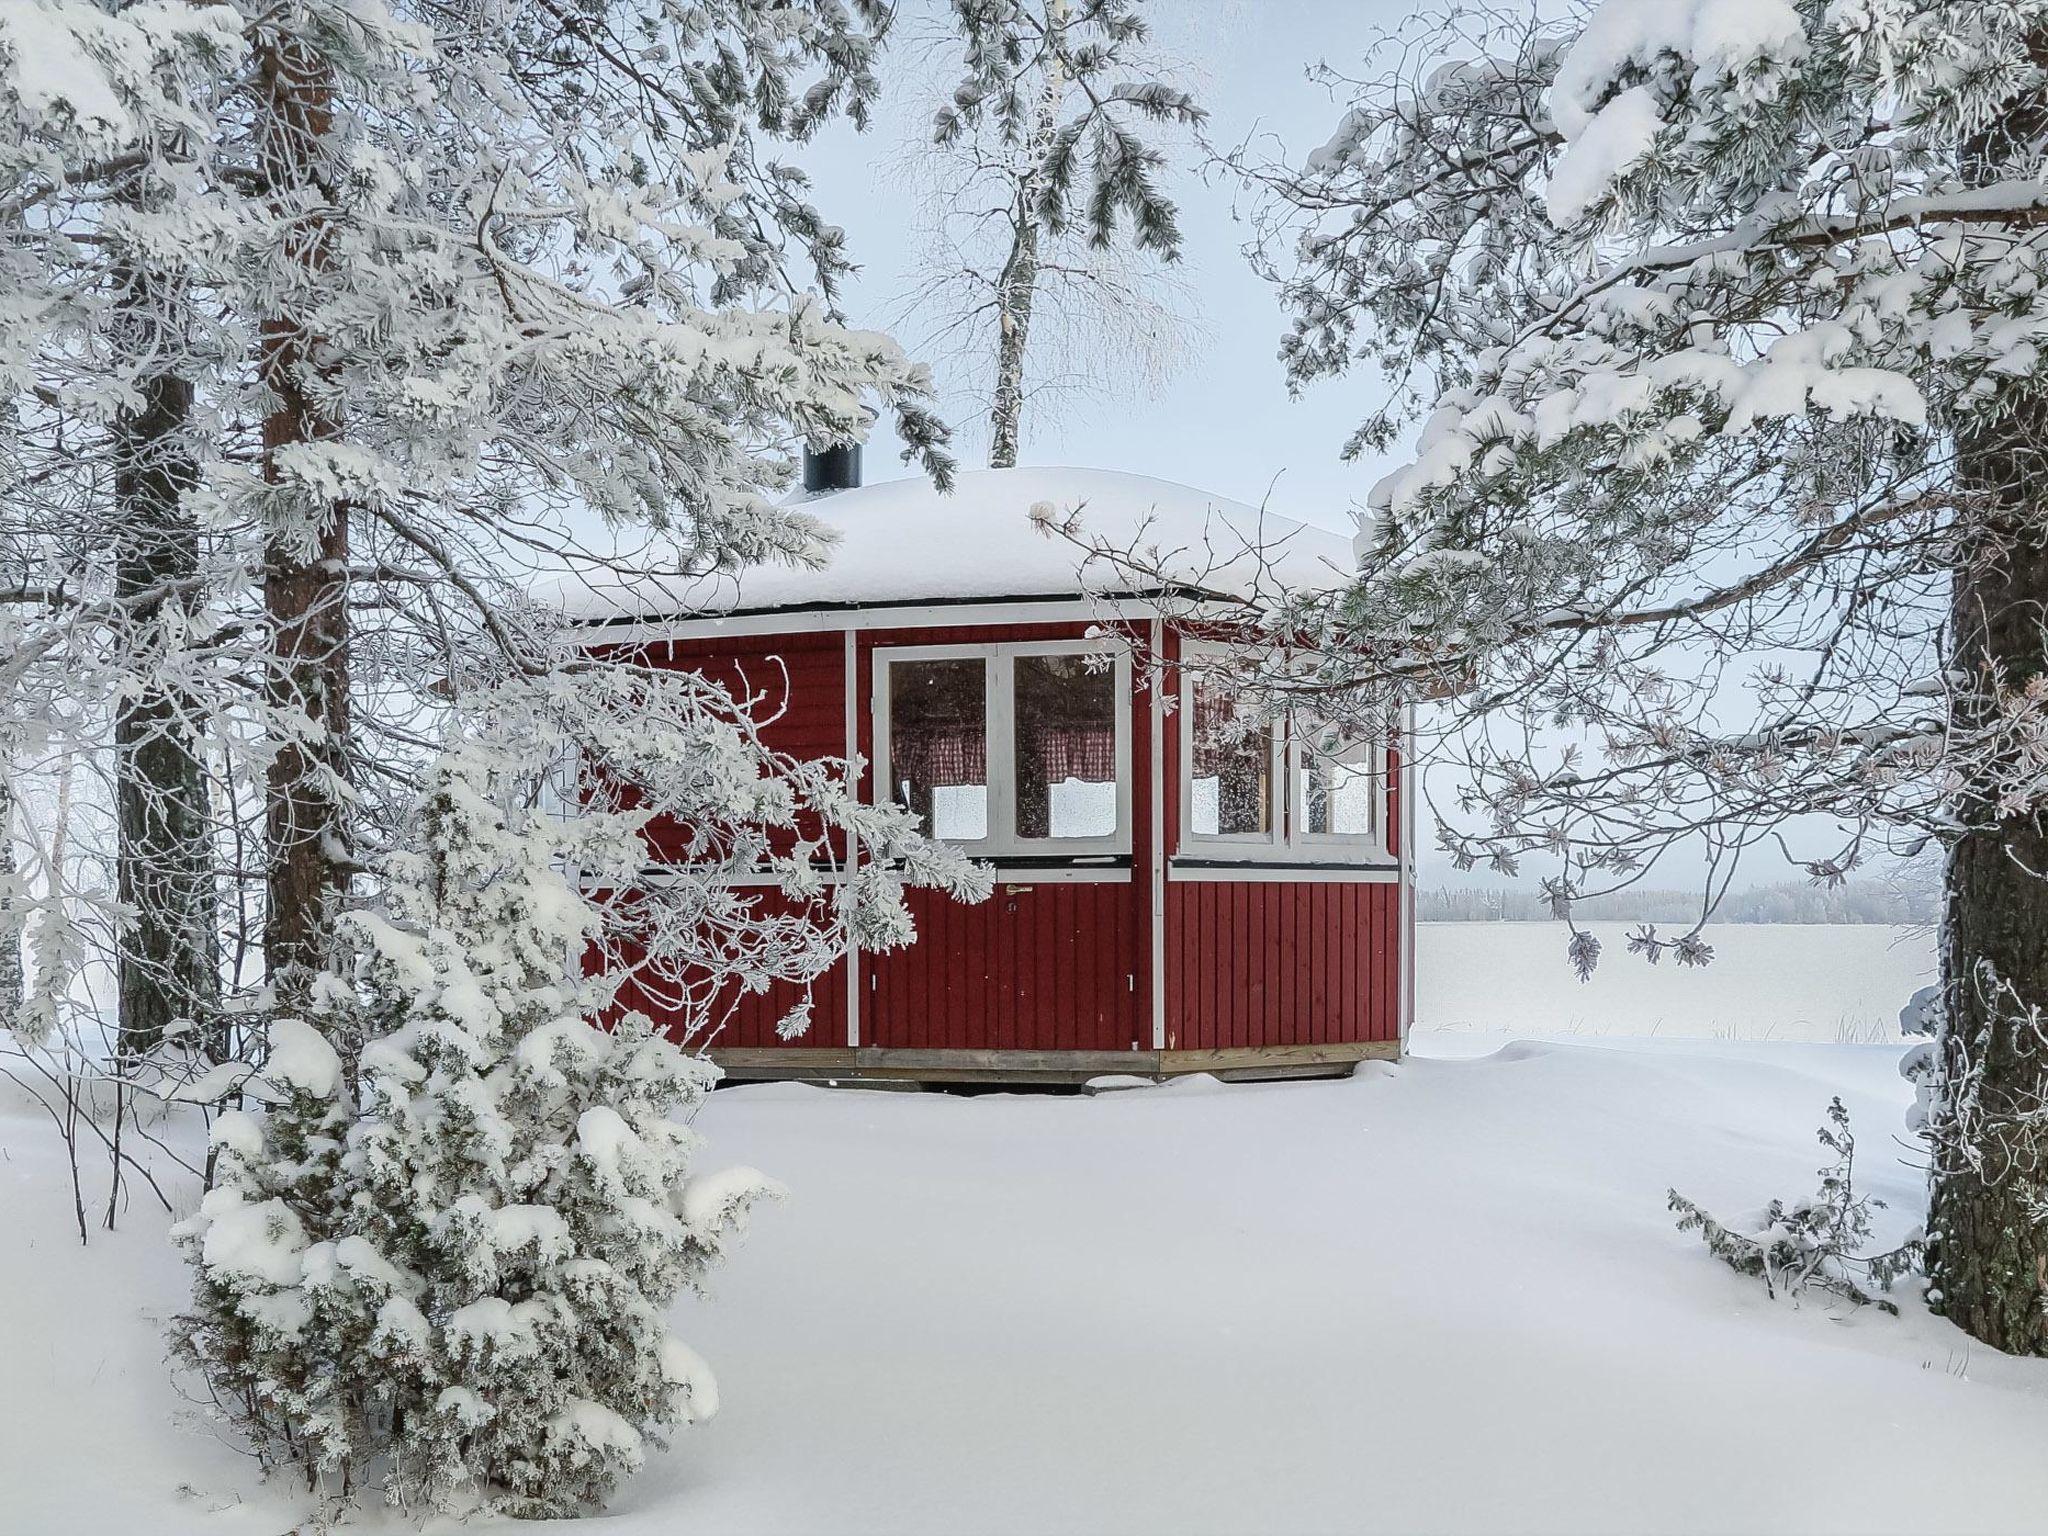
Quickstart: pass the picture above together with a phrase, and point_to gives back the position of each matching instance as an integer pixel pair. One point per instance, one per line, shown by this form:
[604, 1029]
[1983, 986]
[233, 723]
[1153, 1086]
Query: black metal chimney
[831, 469]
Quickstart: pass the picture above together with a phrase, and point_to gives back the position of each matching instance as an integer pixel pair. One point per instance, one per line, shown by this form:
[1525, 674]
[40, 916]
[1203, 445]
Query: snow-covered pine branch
[1722, 324]
[332, 326]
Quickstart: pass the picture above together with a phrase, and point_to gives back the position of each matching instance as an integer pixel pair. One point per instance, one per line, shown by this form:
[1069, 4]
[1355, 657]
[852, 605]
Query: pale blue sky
[1225, 423]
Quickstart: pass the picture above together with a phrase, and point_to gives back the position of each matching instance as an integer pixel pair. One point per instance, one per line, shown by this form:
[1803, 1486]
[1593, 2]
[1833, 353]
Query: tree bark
[1988, 1244]
[1990, 1247]
[11, 907]
[305, 578]
[168, 966]
[1017, 288]
[1013, 321]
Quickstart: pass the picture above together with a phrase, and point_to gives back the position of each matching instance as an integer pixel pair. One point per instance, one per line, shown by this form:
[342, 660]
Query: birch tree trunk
[168, 966]
[1013, 333]
[1018, 288]
[305, 578]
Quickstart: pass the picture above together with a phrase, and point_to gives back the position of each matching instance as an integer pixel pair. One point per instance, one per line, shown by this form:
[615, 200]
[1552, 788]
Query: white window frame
[999, 660]
[1271, 844]
[1308, 843]
[1290, 841]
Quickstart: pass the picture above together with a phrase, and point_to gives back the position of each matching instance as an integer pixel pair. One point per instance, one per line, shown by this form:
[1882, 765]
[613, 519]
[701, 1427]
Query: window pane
[1066, 747]
[1230, 789]
[938, 744]
[1340, 788]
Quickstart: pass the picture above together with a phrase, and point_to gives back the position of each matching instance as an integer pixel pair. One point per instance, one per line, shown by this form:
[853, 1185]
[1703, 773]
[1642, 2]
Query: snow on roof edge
[902, 541]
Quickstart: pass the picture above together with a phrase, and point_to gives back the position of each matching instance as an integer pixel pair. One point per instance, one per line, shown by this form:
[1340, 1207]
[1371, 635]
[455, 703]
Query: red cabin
[1169, 898]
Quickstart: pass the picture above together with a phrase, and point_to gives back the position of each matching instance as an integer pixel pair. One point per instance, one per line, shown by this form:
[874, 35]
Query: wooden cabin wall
[734, 1017]
[1037, 967]
[1051, 966]
[1257, 962]
[797, 685]
[1041, 965]
[1253, 963]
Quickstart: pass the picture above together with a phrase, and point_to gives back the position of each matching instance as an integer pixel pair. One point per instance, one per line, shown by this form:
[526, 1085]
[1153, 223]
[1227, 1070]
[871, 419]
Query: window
[1065, 708]
[1052, 720]
[938, 759]
[1339, 774]
[1232, 774]
[1233, 768]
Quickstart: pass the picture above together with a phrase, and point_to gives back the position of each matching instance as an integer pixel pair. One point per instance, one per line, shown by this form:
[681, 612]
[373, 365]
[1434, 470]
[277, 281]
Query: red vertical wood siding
[1255, 963]
[1040, 965]
[1037, 968]
[731, 1016]
[795, 683]
[1067, 966]
[796, 686]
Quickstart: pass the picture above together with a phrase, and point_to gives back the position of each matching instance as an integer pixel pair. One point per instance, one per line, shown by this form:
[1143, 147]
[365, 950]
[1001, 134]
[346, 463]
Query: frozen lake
[1834, 984]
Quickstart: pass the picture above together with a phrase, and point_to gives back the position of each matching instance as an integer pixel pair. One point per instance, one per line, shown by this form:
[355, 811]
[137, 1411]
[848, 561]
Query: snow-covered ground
[1440, 1296]
[1769, 981]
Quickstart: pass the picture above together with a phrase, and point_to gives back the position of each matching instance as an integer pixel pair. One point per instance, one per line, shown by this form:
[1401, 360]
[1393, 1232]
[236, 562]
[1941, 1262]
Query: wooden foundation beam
[879, 1063]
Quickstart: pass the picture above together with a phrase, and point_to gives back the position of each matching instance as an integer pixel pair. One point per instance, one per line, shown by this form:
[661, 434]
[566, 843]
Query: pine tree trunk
[305, 578]
[1990, 1255]
[168, 957]
[1988, 1250]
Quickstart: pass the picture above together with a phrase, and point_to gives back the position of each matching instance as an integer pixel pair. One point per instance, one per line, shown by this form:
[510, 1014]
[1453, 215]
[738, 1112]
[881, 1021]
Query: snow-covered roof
[901, 541]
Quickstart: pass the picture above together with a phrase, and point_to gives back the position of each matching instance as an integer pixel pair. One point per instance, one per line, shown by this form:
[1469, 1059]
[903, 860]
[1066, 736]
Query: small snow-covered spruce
[451, 1282]
[1812, 1244]
[470, 1303]
[439, 1266]
[275, 1195]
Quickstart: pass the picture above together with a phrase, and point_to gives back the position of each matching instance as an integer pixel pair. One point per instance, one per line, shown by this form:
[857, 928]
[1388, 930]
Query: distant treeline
[1871, 901]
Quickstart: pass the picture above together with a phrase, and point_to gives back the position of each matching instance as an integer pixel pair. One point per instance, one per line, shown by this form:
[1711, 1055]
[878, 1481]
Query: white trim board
[1281, 874]
[1004, 874]
[1410, 790]
[1156, 874]
[852, 755]
[812, 621]
[1024, 876]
